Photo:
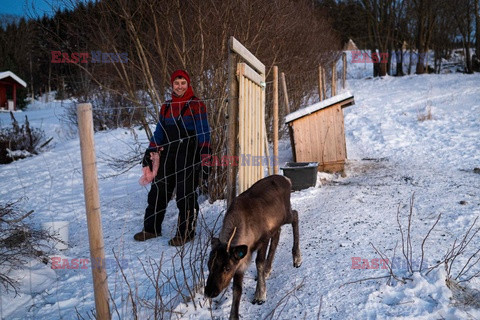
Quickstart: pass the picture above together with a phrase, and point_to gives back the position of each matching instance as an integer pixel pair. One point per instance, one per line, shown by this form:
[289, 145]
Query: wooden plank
[248, 126]
[313, 145]
[339, 134]
[330, 141]
[285, 94]
[302, 139]
[261, 137]
[275, 117]
[263, 147]
[287, 111]
[334, 78]
[253, 130]
[233, 109]
[267, 154]
[298, 134]
[323, 135]
[255, 134]
[250, 73]
[310, 137]
[241, 131]
[237, 47]
[258, 132]
[348, 102]
[333, 136]
[319, 137]
[320, 83]
[331, 167]
[324, 82]
[298, 141]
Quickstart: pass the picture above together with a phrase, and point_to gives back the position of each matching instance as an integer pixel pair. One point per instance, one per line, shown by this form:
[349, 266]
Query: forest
[159, 36]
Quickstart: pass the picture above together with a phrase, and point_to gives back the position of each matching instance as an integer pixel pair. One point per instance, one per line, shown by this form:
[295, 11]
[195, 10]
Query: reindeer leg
[237, 294]
[261, 291]
[297, 255]
[271, 253]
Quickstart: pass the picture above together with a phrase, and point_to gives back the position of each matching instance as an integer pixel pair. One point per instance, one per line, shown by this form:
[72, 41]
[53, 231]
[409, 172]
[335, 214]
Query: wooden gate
[251, 131]
[247, 133]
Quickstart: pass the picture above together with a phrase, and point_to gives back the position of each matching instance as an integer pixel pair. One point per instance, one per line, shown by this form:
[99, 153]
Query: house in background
[350, 46]
[8, 84]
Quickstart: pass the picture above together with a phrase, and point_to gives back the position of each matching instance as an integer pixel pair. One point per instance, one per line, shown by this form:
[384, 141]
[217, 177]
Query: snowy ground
[391, 156]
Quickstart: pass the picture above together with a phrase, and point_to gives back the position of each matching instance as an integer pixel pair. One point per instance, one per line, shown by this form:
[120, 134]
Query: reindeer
[252, 221]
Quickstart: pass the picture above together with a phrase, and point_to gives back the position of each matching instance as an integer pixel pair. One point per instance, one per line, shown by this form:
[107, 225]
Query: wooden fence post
[320, 83]
[275, 119]
[287, 109]
[324, 83]
[92, 206]
[334, 78]
[285, 93]
[344, 60]
[232, 122]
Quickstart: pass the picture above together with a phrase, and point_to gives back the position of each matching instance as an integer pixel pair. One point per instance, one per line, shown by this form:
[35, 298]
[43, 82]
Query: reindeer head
[223, 263]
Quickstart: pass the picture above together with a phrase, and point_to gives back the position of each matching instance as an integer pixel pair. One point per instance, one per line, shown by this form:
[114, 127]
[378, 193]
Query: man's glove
[146, 161]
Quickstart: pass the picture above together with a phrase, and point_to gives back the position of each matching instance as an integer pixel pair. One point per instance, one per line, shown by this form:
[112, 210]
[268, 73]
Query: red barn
[9, 83]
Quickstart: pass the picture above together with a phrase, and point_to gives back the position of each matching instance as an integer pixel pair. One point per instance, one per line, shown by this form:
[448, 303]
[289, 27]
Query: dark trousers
[176, 172]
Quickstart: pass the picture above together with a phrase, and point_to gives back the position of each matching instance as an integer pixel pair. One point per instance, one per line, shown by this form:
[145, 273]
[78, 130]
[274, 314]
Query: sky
[32, 8]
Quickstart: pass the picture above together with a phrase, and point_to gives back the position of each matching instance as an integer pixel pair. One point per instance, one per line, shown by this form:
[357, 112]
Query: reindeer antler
[231, 238]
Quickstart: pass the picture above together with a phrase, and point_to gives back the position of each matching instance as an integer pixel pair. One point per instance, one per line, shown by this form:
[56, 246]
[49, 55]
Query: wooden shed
[319, 134]
[9, 82]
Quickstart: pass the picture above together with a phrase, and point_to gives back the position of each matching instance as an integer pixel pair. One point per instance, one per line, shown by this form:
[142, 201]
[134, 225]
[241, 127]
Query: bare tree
[425, 12]
[463, 14]
[380, 31]
[476, 62]
[444, 35]
[193, 35]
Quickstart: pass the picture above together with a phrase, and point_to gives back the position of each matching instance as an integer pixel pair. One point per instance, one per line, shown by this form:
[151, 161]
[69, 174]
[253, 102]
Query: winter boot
[185, 230]
[145, 235]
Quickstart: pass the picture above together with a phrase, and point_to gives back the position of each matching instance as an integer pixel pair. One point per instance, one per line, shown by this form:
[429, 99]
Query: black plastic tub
[302, 174]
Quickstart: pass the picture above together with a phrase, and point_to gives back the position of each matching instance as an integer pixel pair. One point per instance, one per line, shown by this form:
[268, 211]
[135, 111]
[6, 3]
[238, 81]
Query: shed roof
[346, 98]
[7, 74]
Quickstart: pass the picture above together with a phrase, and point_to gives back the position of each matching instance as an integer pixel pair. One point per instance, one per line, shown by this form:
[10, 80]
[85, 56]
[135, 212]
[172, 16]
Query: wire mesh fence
[145, 278]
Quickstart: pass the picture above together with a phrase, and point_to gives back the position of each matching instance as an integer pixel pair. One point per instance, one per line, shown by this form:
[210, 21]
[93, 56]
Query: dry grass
[427, 115]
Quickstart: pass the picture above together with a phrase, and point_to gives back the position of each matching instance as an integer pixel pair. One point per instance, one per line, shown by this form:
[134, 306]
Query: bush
[19, 142]
[111, 111]
[18, 242]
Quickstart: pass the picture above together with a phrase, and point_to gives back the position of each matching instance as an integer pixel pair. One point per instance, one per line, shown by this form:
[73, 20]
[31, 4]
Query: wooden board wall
[320, 137]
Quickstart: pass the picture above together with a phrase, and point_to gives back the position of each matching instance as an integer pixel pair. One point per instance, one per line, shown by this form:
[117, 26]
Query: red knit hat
[180, 73]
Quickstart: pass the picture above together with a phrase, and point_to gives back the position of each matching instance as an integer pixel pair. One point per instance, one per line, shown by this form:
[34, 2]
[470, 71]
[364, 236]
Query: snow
[10, 74]
[392, 157]
[317, 106]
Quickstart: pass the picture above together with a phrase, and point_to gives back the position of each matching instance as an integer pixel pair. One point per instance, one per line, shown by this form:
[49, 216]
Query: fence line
[123, 212]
